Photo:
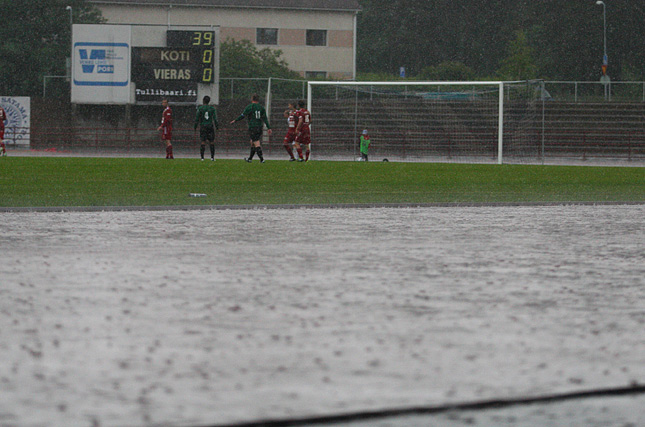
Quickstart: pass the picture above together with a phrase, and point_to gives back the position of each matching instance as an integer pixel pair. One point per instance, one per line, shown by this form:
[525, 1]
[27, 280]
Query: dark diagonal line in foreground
[430, 410]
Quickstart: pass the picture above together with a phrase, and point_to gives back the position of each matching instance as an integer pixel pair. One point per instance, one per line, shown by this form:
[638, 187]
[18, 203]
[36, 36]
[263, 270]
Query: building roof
[336, 5]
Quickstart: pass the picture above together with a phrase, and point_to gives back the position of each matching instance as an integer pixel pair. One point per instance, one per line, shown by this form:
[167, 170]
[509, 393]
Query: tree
[242, 59]
[447, 71]
[419, 34]
[519, 64]
[378, 77]
[36, 40]
[565, 37]
[567, 46]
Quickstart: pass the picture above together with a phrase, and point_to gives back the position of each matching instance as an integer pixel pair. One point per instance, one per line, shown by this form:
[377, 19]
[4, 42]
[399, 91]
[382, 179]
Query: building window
[267, 36]
[315, 75]
[316, 37]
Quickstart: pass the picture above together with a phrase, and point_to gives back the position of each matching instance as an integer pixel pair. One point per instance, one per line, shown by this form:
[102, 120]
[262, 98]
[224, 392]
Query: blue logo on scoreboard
[101, 64]
[97, 60]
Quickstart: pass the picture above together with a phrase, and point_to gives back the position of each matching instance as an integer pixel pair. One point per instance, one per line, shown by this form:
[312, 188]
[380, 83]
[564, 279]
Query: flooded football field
[216, 317]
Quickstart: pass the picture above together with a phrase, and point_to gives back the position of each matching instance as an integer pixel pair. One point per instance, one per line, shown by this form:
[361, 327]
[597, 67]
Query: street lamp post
[71, 41]
[605, 59]
[604, 26]
[71, 15]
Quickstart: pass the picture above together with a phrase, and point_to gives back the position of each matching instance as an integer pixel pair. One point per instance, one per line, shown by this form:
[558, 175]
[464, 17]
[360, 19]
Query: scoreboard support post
[265, 136]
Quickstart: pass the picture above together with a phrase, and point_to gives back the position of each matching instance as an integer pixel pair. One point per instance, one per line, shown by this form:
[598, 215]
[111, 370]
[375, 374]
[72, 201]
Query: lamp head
[600, 2]
[68, 8]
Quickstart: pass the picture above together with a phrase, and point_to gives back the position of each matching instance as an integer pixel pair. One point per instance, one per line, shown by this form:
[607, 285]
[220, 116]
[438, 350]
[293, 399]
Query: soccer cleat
[246, 159]
[212, 159]
[262, 161]
[292, 159]
[301, 160]
[202, 159]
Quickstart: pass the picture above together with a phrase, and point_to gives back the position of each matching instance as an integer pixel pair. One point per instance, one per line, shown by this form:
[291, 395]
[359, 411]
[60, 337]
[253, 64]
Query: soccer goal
[473, 122]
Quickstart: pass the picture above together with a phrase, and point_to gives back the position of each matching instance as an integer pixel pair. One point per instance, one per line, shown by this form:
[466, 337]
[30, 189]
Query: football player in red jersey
[289, 113]
[166, 128]
[3, 117]
[303, 133]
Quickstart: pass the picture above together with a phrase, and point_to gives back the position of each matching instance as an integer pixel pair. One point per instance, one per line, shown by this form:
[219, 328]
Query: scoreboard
[187, 60]
[126, 64]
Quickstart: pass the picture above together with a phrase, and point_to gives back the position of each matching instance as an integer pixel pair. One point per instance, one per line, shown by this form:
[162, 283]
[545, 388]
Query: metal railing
[577, 91]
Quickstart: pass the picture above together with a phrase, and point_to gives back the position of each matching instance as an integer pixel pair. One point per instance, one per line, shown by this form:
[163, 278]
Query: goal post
[455, 121]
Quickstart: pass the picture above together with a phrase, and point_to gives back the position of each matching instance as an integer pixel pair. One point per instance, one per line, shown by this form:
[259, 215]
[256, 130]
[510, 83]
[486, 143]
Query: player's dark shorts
[255, 134]
[207, 133]
[304, 137]
[290, 137]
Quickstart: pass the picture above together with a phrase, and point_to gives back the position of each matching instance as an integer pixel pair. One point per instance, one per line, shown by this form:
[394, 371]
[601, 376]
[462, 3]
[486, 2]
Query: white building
[317, 37]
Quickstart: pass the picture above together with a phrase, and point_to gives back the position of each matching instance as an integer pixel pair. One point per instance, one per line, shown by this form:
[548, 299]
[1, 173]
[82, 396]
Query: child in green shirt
[365, 145]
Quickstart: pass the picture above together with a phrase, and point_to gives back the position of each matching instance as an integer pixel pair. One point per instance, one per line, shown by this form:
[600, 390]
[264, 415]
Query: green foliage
[564, 38]
[74, 181]
[632, 73]
[36, 40]
[449, 70]
[519, 64]
[417, 34]
[378, 77]
[242, 59]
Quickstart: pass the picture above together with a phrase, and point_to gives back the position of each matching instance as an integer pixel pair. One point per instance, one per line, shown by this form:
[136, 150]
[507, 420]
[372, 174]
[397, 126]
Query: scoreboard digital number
[190, 38]
[188, 64]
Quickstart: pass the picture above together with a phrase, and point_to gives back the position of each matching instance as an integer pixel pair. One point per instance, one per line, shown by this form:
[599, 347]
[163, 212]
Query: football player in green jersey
[207, 121]
[257, 116]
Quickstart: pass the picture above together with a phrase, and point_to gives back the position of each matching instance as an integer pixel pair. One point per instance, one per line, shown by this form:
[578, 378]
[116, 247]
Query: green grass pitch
[83, 181]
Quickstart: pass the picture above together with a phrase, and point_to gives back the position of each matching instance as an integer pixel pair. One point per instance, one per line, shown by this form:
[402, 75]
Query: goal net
[473, 122]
